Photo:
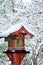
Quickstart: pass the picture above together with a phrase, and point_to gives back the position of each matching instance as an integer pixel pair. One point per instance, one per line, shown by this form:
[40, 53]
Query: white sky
[27, 1]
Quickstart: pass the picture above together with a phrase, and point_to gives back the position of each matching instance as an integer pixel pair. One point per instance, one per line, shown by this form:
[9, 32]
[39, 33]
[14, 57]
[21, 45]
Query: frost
[14, 12]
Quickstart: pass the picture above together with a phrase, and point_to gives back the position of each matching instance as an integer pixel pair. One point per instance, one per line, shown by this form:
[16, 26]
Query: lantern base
[16, 56]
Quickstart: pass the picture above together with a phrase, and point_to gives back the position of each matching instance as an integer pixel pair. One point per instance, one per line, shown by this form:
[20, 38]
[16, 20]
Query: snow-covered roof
[15, 28]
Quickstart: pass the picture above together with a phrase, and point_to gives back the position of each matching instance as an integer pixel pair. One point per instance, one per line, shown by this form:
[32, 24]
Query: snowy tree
[13, 12]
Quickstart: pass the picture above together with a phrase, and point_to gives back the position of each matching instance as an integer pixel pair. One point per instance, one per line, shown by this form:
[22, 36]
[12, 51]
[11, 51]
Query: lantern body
[16, 46]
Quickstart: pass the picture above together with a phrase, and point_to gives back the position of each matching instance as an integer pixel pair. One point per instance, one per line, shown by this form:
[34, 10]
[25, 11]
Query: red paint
[22, 29]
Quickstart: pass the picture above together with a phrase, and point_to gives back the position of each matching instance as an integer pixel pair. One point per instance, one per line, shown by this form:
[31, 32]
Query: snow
[40, 61]
[21, 11]
[27, 1]
[13, 21]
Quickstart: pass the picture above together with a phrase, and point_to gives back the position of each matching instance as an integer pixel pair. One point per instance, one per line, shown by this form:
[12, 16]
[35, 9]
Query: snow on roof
[15, 28]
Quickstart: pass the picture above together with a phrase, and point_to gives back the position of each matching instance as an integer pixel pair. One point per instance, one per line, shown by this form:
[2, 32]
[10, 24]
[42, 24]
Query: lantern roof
[15, 28]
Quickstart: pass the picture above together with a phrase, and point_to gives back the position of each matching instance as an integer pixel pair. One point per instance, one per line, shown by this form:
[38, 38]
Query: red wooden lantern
[16, 45]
